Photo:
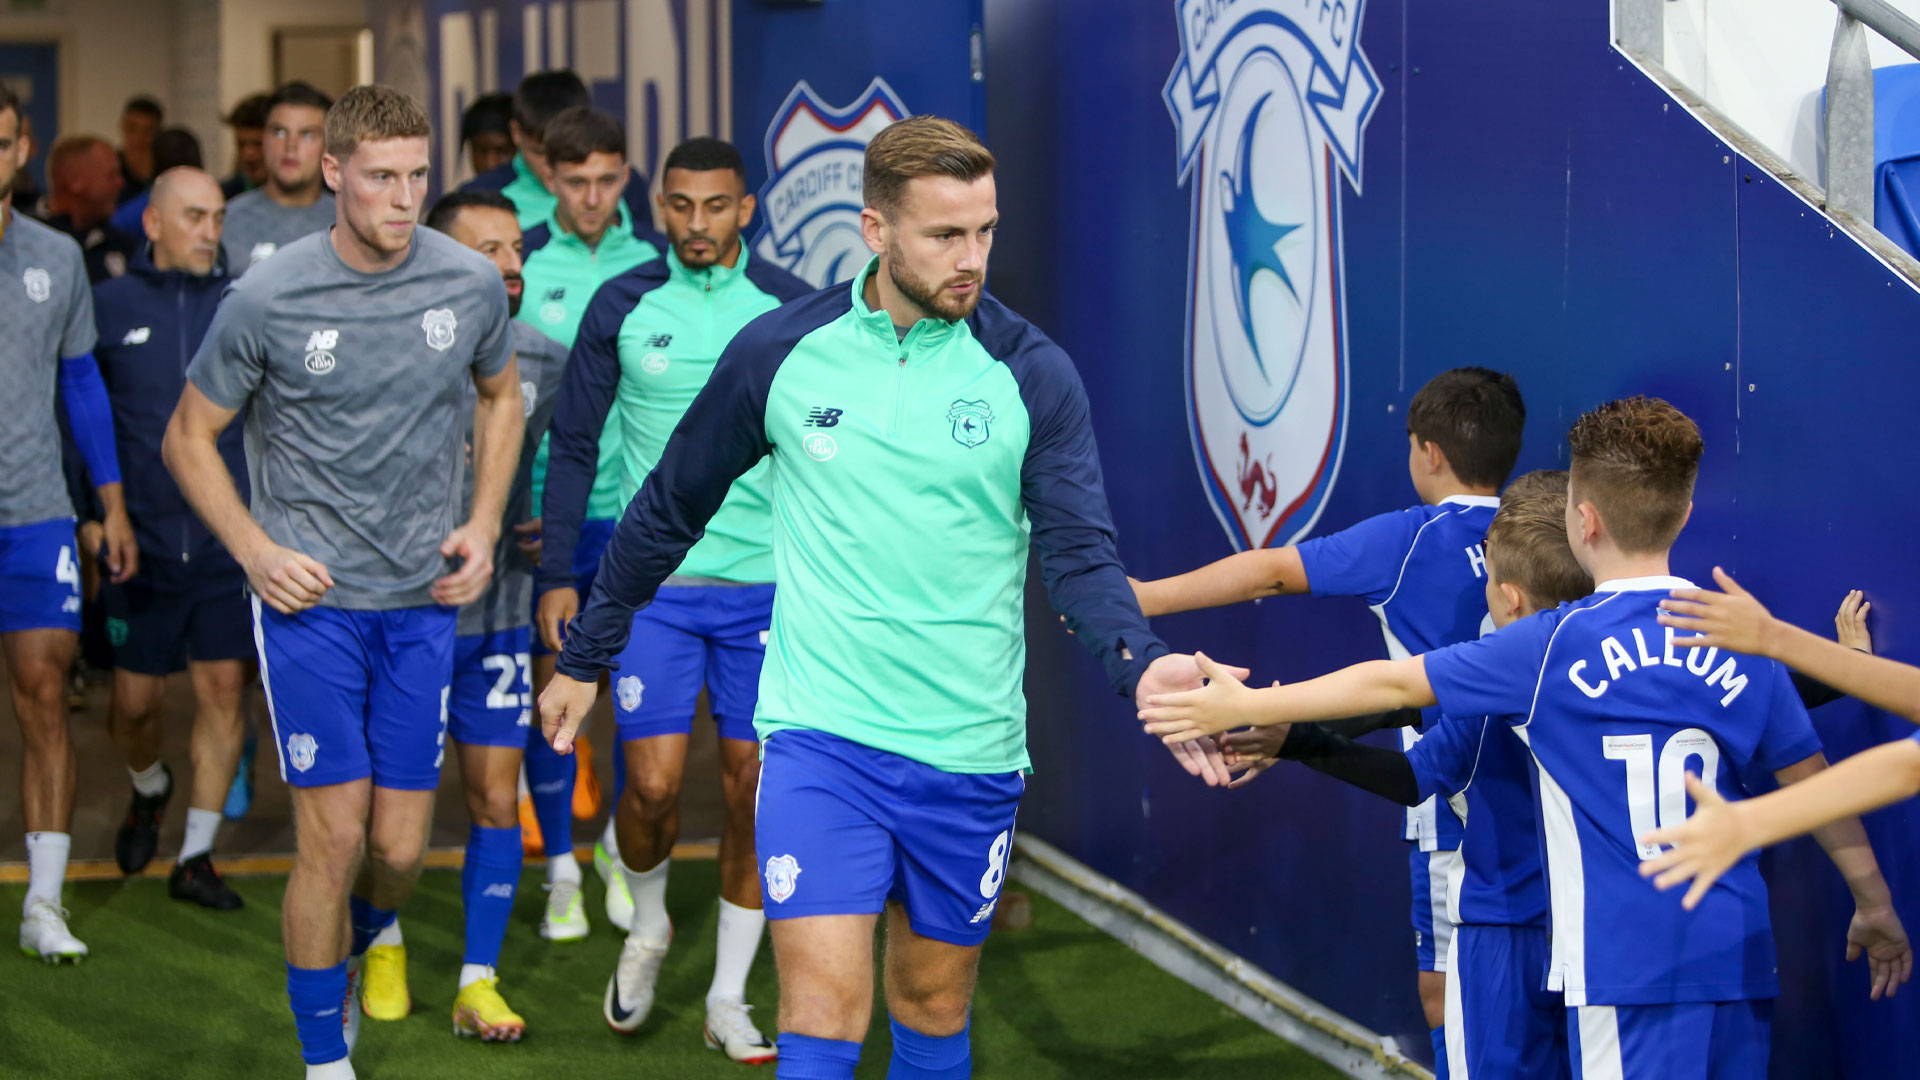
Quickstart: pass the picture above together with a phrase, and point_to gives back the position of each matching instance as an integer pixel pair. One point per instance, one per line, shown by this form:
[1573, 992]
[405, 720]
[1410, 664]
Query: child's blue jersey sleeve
[1444, 758]
[1497, 675]
[1364, 560]
[1789, 737]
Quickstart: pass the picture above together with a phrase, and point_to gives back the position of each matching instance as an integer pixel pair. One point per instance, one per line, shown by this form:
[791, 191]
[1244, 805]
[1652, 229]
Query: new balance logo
[824, 417]
[501, 891]
[322, 339]
[657, 341]
[985, 912]
[137, 336]
[557, 294]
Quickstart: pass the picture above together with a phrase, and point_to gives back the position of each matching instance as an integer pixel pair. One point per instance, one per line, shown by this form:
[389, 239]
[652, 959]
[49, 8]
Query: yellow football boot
[481, 1013]
[383, 995]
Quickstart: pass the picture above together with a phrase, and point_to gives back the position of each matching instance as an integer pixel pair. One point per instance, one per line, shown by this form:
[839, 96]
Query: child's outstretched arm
[1247, 575]
[1735, 621]
[1225, 703]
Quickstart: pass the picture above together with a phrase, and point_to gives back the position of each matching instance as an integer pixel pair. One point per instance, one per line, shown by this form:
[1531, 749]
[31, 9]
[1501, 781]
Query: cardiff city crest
[1270, 100]
[811, 203]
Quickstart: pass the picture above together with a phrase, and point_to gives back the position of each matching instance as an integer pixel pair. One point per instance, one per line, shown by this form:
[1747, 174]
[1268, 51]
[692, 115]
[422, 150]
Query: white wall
[110, 51]
[1763, 65]
[246, 37]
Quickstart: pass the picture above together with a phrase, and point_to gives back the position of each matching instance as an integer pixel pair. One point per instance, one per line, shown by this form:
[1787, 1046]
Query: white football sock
[473, 973]
[202, 826]
[389, 936]
[46, 866]
[739, 942]
[649, 889]
[610, 836]
[151, 780]
[332, 1070]
[563, 867]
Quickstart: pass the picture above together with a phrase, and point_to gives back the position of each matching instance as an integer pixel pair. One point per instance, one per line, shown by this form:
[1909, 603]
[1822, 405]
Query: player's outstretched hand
[563, 706]
[286, 580]
[1180, 671]
[1222, 704]
[123, 551]
[1732, 620]
[1878, 933]
[526, 537]
[472, 544]
[1850, 623]
[557, 609]
[1700, 848]
[1253, 751]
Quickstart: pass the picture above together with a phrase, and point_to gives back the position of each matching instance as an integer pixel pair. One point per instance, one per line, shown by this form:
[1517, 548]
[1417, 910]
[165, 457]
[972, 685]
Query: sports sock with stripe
[368, 923]
[803, 1057]
[550, 779]
[487, 884]
[317, 996]
[930, 1057]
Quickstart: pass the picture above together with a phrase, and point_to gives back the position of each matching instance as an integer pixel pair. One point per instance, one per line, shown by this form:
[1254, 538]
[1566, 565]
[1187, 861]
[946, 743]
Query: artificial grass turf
[175, 992]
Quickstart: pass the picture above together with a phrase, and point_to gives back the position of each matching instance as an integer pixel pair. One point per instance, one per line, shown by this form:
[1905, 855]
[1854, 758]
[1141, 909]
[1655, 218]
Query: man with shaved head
[186, 608]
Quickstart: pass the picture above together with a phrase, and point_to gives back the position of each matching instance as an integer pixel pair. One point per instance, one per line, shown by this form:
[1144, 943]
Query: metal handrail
[1846, 134]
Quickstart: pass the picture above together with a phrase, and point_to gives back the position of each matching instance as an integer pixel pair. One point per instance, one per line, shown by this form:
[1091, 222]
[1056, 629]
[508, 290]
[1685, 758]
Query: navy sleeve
[1066, 500]
[722, 435]
[1386, 773]
[587, 387]
[85, 397]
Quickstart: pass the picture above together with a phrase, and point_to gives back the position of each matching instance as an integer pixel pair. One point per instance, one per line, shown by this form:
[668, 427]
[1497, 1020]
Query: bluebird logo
[783, 875]
[301, 750]
[970, 420]
[812, 199]
[1270, 101]
[628, 690]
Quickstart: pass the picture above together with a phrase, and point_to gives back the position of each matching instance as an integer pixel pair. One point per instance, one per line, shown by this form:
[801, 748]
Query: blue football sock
[1439, 1053]
[928, 1057]
[619, 770]
[317, 995]
[550, 785]
[803, 1057]
[486, 888]
[368, 921]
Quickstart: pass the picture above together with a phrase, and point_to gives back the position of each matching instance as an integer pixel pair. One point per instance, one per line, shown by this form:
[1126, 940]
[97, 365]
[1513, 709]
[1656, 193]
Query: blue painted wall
[1533, 203]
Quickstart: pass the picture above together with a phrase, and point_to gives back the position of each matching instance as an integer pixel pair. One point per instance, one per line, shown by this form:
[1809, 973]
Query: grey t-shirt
[508, 602]
[354, 387]
[257, 227]
[46, 316]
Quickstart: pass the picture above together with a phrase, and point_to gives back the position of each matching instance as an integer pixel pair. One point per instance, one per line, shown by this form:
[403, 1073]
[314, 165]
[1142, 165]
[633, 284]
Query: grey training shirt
[356, 392]
[46, 316]
[256, 227]
[508, 602]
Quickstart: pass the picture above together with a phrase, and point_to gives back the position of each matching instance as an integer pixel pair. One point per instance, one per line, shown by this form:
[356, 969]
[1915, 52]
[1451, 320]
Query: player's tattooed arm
[1225, 702]
[1248, 575]
[498, 426]
[286, 580]
[1734, 620]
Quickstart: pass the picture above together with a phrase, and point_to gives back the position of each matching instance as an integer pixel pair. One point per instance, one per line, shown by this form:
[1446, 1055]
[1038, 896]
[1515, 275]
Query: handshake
[1192, 701]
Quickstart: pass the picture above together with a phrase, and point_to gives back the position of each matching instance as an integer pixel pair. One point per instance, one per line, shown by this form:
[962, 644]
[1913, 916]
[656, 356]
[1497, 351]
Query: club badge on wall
[1270, 100]
[811, 203]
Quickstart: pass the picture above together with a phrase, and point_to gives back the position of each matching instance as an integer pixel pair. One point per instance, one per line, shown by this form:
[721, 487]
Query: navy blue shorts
[491, 702]
[842, 828]
[689, 637]
[1432, 929]
[355, 694]
[1501, 1020]
[156, 631]
[586, 564]
[1695, 1040]
[39, 577]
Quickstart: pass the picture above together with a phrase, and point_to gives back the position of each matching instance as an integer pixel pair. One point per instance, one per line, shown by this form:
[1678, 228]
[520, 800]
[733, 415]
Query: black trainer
[198, 881]
[139, 838]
